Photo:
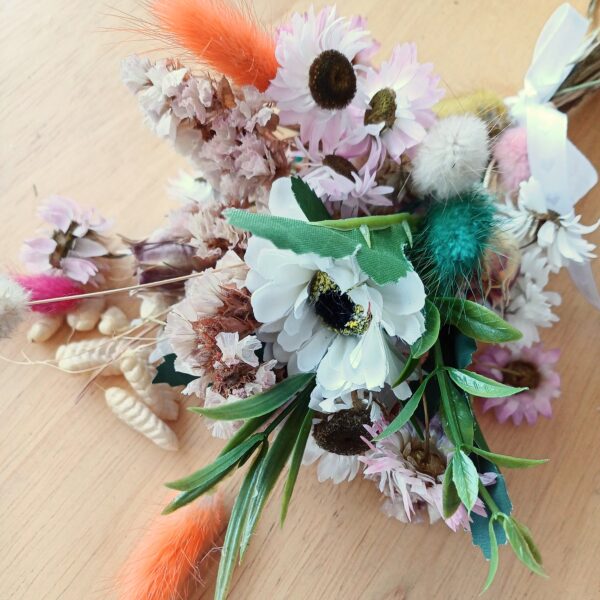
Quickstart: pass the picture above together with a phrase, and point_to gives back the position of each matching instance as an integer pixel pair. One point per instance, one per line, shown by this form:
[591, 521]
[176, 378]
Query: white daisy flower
[328, 316]
[337, 467]
[530, 221]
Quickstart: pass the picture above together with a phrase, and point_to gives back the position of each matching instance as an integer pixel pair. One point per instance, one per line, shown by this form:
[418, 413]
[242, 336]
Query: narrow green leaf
[476, 321]
[526, 533]
[374, 222]
[245, 431]
[408, 410]
[409, 366]
[295, 462]
[463, 414]
[493, 557]
[511, 462]
[465, 478]
[309, 202]
[521, 546]
[220, 467]
[483, 387]
[260, 404]
[166, 373]
[237, 520]
[272, 467]
[450, 499]
[432, 331]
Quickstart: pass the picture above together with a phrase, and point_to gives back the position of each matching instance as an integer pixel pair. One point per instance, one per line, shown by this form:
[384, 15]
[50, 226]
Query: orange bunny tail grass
[223, 36]
[166, 563]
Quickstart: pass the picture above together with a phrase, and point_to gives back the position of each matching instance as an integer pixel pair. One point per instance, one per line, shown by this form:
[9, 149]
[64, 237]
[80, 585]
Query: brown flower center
[340, 165]
[341, 433]
[428, 462]
[382, 108]
[521, 373]
[332, 80]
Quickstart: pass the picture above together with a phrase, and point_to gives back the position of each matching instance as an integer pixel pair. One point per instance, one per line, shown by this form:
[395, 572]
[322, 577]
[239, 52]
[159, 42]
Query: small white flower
[13, 305]
[560, 236]
[234, 350]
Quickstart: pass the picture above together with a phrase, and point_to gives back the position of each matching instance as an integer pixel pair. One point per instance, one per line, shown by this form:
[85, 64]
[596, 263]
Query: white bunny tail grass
[13, 305]
[452, 158]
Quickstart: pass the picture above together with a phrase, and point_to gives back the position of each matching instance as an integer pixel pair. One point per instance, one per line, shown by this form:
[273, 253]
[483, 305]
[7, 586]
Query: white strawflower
[452, 158]
[13, 305]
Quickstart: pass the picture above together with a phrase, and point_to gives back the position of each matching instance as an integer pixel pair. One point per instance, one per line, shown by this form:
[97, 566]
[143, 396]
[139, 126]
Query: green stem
[372, 222]
[487, 498]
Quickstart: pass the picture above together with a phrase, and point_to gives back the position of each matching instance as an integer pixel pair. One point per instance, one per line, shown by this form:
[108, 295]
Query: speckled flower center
[382, 108]
[342, 432]
[340, 165]
[332, 80]
[336, 308]
[521, 373]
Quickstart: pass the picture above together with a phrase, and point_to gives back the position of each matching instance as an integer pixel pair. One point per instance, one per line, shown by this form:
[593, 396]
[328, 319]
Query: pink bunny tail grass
[43, 287]
[511, 153]
[166, 563]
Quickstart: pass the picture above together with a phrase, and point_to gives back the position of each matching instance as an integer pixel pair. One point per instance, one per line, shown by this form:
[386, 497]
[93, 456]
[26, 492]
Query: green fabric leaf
[408, 410]
[511, 462]
[223, 464]
[476, 321]
[483, 387]
[166, 373]
[523, 545]
[450, 499]
[465, 478]
[432, 331]
[237, 521]
[295, 462]
[384, 261]
[309, 202]
[464, 348]
[272, 467]
[245, 431]
[493, 556]
[260, 404]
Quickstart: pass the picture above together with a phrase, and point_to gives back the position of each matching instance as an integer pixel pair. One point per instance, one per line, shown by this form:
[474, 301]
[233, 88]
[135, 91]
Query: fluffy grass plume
[13, 305]
[165, 565]
[450, 247]
[44, 287]
[222, 35]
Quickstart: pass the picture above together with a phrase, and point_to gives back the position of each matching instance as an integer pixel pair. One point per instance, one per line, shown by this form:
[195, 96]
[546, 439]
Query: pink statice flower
[398, 100]
[318, 80]
[510, 151]
[73, 247]
[518, 366]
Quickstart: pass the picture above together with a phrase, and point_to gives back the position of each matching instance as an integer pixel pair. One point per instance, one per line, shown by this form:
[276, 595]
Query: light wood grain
[77, 487]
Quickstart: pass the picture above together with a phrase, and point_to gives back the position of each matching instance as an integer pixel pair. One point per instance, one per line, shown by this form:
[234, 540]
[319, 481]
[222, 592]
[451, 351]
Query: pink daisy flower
[398, 100]
[318, 78]
[531, 367]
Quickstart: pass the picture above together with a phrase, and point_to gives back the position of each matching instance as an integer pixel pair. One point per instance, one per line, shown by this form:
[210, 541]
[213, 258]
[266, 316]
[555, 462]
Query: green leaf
[493, 556]
[166, 373]
[483, 387]
[237, 521]
[260, 404]
[223, 464]
[245, 431]
[510, 462]
[464, 348]
[372, 222]
[523, 545]
[409, 366]
[272, 467]
[384, 261]
[295, 462]
[432, 331]
[309, 202]
[450, 499]
[465, 478]
[476, 321]
[463, 413]
[408, 410]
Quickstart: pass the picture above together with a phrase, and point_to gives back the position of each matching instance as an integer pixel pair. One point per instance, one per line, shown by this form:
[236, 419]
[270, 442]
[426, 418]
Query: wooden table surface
[77, 488]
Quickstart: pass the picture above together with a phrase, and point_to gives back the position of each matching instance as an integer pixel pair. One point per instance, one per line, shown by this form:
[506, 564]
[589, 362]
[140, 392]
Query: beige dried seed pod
[92, 354]
[44, 327]
[140, 418]
[113, 320]
[86, 316]
[160, 398]
[153, 305]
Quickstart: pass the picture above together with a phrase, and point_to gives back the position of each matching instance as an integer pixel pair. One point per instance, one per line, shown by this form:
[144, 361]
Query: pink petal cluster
[499, 362]
[510, 151]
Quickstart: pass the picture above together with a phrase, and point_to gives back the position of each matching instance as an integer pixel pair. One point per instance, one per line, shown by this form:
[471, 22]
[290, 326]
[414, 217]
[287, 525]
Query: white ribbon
[564, 173]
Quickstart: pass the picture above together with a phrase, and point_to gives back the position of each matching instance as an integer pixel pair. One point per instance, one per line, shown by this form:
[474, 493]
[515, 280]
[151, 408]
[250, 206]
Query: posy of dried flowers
[342, 248]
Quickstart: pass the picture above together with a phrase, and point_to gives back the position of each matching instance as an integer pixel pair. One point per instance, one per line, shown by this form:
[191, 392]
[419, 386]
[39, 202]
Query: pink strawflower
[398, 100]
[510, 152]
[317, 82]
[531, 367]
[43, 287]
[73, 246]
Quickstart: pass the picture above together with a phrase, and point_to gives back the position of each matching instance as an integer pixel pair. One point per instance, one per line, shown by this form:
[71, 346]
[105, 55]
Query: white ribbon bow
[564, 173]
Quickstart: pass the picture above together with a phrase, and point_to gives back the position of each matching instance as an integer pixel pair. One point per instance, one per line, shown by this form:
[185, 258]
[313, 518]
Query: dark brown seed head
[340, 165]
[341, 433]
[382, 108]
[332, 80]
